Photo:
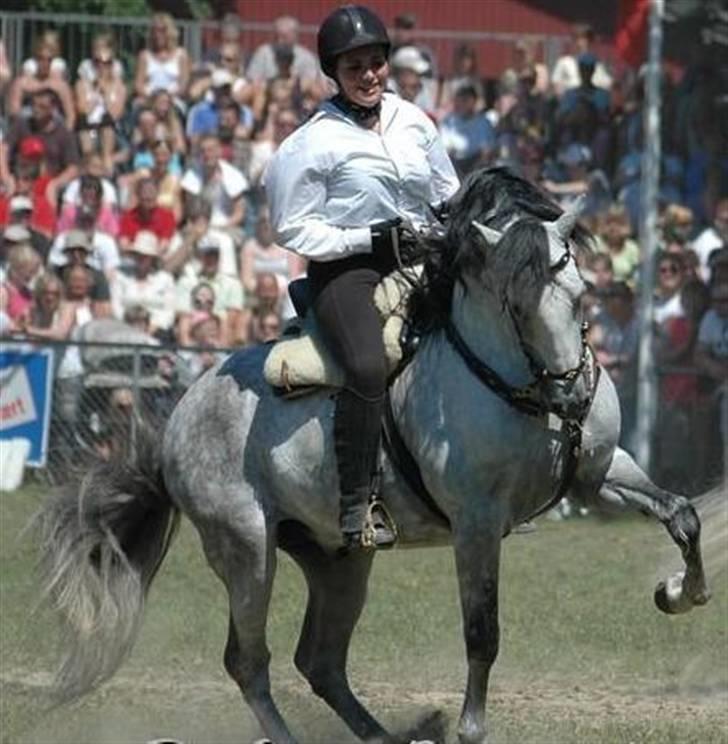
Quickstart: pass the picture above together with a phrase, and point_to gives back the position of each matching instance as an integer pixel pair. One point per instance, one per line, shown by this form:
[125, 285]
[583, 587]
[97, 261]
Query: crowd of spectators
[138, 193]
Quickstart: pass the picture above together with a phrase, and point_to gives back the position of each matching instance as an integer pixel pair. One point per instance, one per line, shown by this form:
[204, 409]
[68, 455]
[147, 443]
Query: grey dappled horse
[500, 406]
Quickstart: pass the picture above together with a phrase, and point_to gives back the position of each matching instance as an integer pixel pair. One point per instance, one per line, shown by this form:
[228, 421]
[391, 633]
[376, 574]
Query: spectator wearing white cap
[146, 285]
[409, 67]
[20, 212]
[229, 294]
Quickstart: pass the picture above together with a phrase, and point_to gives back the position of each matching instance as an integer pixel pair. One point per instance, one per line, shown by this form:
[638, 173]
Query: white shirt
[156, 294]
[566, 75]
[332, 178]
[704, 245]
[104, 256]
[667, 309]
[233, 184]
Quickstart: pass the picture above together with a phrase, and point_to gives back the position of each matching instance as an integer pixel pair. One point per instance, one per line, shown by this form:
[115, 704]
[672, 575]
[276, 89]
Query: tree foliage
[183, 8]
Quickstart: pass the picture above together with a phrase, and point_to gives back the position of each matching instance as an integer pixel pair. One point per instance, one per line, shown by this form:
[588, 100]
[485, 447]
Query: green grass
[585, 656]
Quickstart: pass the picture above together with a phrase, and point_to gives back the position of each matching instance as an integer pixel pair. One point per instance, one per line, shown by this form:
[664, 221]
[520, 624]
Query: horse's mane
[499, 198]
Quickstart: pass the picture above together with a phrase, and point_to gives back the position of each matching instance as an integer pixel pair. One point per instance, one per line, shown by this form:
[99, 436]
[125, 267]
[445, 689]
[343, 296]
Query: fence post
[136, 371]
[646, 379]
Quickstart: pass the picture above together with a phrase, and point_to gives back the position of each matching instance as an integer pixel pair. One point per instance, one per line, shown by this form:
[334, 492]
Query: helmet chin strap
[354, 110]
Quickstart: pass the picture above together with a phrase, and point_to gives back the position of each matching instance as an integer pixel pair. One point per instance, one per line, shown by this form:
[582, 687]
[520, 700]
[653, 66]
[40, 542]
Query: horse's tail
[102, 540]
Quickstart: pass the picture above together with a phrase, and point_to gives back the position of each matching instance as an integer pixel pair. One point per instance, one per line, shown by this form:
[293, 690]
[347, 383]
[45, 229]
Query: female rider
[339, 188]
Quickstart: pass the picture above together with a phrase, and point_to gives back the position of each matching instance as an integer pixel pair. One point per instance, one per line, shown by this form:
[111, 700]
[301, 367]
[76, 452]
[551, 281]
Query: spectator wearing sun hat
[103, 250]
[146, 285]
[77, 250]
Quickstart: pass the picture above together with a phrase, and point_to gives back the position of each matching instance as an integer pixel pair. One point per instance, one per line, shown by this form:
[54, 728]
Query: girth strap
[405, 464]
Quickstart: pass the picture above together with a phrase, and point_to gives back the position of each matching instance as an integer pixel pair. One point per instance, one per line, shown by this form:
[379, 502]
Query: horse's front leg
[477, 557]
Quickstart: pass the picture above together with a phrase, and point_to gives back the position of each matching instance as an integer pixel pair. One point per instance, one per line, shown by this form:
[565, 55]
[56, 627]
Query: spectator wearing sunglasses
[100, 102]
[88, 69]
[669, 282]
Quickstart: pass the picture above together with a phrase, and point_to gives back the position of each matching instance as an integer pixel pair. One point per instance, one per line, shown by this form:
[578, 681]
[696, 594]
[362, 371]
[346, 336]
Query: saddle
[300, 362]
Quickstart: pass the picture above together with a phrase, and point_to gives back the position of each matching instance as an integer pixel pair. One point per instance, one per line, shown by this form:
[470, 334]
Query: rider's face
[362, 75]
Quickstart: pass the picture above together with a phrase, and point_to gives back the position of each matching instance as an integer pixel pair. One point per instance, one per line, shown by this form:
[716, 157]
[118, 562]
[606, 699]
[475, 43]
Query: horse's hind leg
[246, 561]
[336, 593]
[626, 485]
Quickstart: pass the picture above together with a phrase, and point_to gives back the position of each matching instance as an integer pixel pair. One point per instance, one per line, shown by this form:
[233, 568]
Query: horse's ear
[490, 235]
[565, 223]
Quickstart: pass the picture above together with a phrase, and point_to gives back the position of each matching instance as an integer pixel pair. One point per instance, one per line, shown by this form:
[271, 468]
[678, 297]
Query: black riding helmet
[349, 27]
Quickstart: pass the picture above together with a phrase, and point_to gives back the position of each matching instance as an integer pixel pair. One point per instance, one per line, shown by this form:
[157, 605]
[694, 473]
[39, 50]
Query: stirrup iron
[378, 518]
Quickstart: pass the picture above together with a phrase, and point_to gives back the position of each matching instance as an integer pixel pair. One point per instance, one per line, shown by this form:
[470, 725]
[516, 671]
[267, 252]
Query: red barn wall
[540, 19]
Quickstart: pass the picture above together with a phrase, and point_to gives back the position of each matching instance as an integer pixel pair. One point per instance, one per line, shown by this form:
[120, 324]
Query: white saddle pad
[301, 358]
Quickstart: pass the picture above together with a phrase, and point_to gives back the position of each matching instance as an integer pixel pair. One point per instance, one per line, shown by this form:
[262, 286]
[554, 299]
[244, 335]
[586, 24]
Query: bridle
[539, 370]
[528, 399]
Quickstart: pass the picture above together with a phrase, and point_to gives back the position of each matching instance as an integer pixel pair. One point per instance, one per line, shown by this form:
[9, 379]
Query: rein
[524, 399]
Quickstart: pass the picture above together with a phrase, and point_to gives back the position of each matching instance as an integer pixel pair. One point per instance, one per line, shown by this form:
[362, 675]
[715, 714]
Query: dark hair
[230, 105]
[196, 207]
[91, 183]
[145, 181]
[466, 89]
[43, 92]
[519, 263]
[584, 29]
[405, 20]
[136, 314]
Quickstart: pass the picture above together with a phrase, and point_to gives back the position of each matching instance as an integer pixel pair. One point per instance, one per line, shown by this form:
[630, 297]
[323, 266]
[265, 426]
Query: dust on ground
[548, 698]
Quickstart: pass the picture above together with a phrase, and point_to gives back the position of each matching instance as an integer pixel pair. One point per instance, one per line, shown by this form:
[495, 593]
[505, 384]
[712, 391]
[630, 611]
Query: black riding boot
[357, 427]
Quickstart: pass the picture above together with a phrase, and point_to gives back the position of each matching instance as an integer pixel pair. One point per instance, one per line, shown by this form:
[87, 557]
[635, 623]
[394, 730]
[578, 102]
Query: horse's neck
[490, 333]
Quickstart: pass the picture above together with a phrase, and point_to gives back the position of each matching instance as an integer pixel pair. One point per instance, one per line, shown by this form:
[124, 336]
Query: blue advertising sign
[26, 380]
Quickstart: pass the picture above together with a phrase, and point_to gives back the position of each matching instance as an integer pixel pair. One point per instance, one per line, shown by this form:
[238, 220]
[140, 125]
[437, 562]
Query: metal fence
[76, 30]
[97, 405]
[95, 413]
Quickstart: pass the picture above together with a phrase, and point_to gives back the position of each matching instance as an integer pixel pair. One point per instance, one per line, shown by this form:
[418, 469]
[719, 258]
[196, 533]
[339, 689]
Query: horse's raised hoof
[670, 596]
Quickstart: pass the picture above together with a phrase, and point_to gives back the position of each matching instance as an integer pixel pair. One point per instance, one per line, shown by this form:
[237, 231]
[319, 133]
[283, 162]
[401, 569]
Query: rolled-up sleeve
[295, 185]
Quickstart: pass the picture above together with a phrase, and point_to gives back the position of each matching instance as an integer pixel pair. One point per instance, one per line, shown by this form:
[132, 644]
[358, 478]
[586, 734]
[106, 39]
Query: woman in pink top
[90, 201]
